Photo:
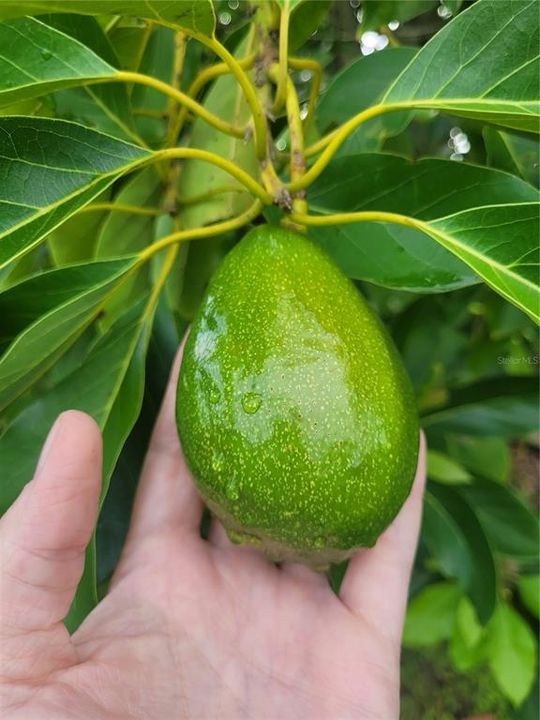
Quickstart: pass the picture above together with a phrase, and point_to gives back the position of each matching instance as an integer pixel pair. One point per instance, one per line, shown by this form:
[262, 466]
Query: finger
[45, 532]
[166, 498]
[304, 574]
[377, 580]
[217, 535]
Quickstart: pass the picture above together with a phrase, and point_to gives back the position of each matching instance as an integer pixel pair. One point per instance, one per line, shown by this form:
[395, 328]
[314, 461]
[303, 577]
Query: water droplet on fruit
[251, 402]
[211, 389]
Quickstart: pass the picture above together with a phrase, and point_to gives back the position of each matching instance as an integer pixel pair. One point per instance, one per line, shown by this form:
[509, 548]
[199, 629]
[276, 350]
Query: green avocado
[294, 411]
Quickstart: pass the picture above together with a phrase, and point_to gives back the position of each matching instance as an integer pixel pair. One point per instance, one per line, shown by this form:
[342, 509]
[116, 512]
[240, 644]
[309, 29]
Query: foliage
[138, 140]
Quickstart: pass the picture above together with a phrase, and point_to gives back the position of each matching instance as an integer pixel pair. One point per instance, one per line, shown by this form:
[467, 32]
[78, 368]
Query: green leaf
[380, 12]
[431, 614]
[489, 457]
[105, 106]
[529, 592]
[467, 648]
[129, 42]
[512, 653]
[514, 153]
[305, 21]
[157, 61]
[457, 542]
[462, 70]
[511, 526]
[357, 87]
[500, 243]
[127, 234]
[46, 313]
[75, 240]
[490, 407]
[227, 100]
[404, 257]
[37, 59]
[446, 470]
[49, 169]
[193, 16]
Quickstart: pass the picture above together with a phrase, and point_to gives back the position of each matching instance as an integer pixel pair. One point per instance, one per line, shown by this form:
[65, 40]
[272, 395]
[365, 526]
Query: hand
[190, 628]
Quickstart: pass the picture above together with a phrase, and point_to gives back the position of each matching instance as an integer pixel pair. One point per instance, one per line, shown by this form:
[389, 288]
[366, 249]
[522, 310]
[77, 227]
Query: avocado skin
[294, 411]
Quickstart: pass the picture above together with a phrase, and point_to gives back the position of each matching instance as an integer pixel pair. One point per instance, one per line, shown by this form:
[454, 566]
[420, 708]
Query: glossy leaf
[489, 456]
[46, 313]
[193, 16]
[381, 12]
[511, 526]
[127, 233]
[457, 542]
[404, 257]
[225, 99]
[529, 592]
[467, 646]
[489, 407]
[359, 85]
[157, 61]
[444, 469]
[462, 70]
[500, 243]
[104, 106]
[305, 21]
[37, 59]
[75, 239]
[517, 154]
[48, 170]
[431, 615]
[512, 653]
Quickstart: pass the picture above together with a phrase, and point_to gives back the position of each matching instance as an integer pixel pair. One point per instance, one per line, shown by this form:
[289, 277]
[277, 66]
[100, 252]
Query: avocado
[294, 411]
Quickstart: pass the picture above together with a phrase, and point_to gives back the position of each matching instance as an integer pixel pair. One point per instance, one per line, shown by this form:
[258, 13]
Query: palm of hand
[194, 628]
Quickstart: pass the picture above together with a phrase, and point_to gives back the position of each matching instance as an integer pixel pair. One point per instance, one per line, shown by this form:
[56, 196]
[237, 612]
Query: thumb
[43, 536]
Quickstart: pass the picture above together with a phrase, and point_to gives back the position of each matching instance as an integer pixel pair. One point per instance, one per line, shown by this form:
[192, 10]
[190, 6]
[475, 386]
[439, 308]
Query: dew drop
[46, 54]
[210, 387]
[251, 402]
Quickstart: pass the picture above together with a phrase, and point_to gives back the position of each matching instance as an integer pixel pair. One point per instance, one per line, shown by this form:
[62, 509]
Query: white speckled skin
[294, 411]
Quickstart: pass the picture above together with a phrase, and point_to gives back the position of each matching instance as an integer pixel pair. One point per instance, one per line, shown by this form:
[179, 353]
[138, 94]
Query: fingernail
[49, 442]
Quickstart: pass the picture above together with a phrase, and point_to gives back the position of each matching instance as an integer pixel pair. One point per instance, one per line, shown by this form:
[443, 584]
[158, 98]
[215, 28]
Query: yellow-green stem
[332, 142]
[174, 108]
[297, 163]
[121, 207]
[206, 76]
[316, 76]
[283, 72]
[177, 95]
[220, 190]
[257, 111]
[363, 216]
[194, 153]
[164, 273]
[203, 232]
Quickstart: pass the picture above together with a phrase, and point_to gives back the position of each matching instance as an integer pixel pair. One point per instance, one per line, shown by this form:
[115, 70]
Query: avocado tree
[138, 143]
